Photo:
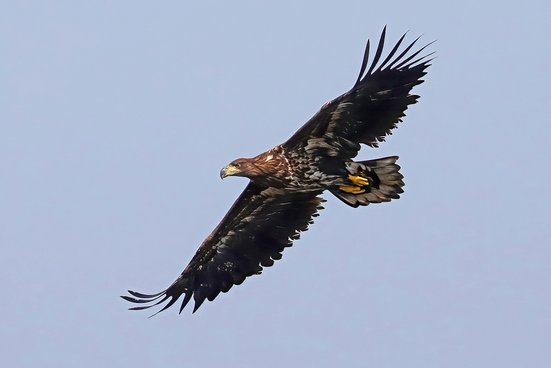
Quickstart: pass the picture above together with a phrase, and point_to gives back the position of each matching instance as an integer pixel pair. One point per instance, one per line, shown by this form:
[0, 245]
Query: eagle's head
[240, 167]
[262, 166]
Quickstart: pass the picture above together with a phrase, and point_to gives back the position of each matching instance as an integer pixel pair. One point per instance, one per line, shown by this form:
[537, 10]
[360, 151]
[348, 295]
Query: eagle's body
[286, 182]
[292, 171]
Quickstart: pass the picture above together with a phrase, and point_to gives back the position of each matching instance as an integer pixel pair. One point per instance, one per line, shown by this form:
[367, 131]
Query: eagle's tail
[371, 181]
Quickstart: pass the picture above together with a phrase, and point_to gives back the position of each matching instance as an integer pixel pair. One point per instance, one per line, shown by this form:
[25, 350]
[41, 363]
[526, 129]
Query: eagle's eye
[236, 164]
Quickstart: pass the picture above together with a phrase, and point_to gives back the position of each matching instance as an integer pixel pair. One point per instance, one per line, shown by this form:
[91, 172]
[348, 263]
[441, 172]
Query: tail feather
[385, 182]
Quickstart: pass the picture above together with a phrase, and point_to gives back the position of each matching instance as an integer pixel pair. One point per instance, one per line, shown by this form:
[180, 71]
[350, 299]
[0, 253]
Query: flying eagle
[286, 182]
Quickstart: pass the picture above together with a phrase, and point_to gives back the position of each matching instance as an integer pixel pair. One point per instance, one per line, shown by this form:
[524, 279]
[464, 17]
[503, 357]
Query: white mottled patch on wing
[321, 143]
[272, 192]
[337, 114]
[384, 92]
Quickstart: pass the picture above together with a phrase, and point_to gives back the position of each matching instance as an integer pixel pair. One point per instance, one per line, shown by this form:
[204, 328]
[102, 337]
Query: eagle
[286, 182]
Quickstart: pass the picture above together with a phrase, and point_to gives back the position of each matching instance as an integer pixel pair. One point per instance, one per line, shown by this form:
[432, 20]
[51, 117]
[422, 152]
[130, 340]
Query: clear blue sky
[116, 118]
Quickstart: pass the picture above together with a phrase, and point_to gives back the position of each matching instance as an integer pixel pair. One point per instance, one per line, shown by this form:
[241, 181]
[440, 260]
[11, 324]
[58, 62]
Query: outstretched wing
[371, 109]
[260, 224]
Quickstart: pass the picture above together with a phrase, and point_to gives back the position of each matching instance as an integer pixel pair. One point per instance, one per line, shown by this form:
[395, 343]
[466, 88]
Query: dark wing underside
[371, 109]
[260, 224]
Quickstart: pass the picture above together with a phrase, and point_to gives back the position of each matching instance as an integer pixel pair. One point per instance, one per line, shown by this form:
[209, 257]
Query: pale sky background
[116, 118]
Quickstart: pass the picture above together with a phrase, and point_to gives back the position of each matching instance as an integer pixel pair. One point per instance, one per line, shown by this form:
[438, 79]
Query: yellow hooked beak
[229, 171]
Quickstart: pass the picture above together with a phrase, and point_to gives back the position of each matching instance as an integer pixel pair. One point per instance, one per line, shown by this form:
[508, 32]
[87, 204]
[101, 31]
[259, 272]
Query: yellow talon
[352, 189]
[358, 180]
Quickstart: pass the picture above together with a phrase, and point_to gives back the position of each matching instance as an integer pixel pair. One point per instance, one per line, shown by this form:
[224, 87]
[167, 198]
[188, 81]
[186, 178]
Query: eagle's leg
[358, 180]
[352, 189]
[359, 185]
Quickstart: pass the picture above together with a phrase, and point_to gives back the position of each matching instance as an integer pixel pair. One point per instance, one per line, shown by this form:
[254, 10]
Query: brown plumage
[283, 195]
